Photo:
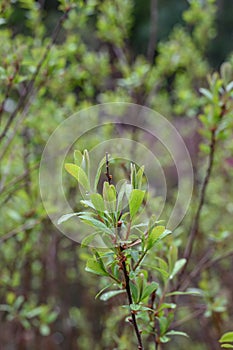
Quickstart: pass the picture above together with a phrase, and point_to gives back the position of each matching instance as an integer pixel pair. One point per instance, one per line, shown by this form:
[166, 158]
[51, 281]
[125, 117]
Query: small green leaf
[149, 289]
[156, 235]
[98, 173]
[88, 239]
[78, 157]
[95, 223]
[179, 264]
[98, 201]
[66, 217]
[226, 337]
[44, 330]
[108, 295]
[79, 174]
[227, 346]
[96, 268]
[135, 201]
[172, 332]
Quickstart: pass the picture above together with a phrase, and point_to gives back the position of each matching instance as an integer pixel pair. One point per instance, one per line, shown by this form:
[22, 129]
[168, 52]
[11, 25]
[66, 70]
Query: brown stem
[29, 87]
[130, 300]
[153, 30]
[109, 177]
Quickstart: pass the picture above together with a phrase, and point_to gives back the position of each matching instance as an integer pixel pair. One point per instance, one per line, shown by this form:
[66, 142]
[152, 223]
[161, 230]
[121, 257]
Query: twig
[109, 177]
[130, 300]
[29, 87]
[16, 231]
[195, 226]
[153, 30]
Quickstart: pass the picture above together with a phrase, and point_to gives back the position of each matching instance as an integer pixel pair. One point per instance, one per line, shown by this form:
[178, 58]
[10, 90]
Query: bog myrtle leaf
[177, 267]
[66, 217]
[95, 223]
[149, 289]
[78, 157]
[97, 201]
[135, 201]
[109, 195]
[98, 173]
[108, 295]
[96, 267]
[172, 332]
[226, 337]
[88, 239]
[156, 235]
[79, 174]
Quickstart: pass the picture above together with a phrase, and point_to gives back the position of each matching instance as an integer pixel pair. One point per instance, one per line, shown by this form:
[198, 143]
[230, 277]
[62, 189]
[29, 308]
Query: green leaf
[149, 289]
[95, 223]
[78, 157]
[179, 264]
[108, 295]
[79, 174]
[172, 332]
[98, 173]
[227, 346]
[96, 268]
[97, 201]
[206, 93]
[135, 201]
[184, 293]
[44, 330]
[226, 337]
[101, 291]
[66, 217]
[156, 235]
[88, 239]
[139, 177]
[134, 291]
[109, 195]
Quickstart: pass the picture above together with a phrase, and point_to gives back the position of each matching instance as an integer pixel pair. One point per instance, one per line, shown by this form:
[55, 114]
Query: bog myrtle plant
[114, 215]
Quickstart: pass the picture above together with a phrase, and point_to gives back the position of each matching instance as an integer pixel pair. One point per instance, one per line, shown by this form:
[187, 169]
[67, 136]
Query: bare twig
[195, 226]
[109, 177]
[153, 30]
[19, 229]
[29, 87]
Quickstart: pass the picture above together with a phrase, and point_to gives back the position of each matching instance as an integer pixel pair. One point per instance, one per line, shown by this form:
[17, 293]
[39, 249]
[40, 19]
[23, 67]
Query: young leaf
[109, 195]
[95, 223]
[135, 201]
[98, 173]
[96, 268]
[78, 157]
[66, 217]
[172, 332]
[178, 266]
[78, 174]
[149, 289]
[226, 337]
[157, 234]
[98, 202]
[108, 295]
[88, 239]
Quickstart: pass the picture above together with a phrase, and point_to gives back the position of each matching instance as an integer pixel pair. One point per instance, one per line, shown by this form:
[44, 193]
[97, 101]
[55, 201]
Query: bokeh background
[56, 59]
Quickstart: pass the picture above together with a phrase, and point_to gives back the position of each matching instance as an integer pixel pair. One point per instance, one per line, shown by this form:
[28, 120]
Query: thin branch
[19, 229]
[195, 227]
[130, 300]
[153, 30]
[29, 87]
[109, 177]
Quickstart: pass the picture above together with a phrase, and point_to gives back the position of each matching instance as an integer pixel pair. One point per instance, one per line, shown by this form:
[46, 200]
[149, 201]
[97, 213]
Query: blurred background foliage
[57, 58]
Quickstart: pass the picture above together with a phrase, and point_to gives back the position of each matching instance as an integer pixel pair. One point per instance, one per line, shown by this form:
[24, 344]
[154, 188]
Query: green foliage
[123, 261]
[47, 75]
